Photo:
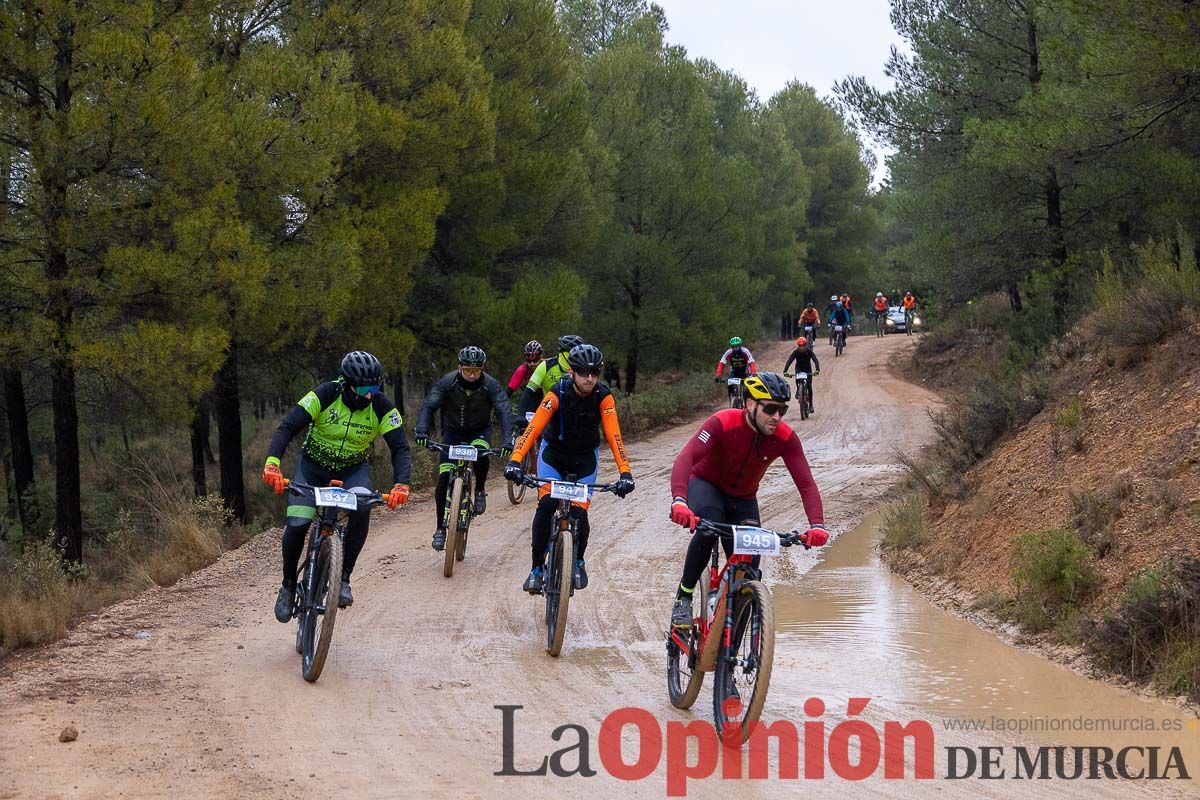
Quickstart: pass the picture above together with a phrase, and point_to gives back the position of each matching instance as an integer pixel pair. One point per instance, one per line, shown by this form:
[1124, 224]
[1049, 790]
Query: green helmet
[735, 341]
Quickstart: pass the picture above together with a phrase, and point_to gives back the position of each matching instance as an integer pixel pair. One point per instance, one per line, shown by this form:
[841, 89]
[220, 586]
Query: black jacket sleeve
[795, 356]
[503, 410]
[433, 401]
[296, 420]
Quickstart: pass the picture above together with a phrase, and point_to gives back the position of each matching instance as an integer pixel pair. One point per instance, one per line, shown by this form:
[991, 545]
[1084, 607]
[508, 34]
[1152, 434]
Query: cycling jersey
[810, 317]
[731, 455]
[541, 381]
[521, 375]
[840, 317]
[909, 302]
[740, 361]
[572, 424]
[805, 359]
[466, 407]
[341, 430]
[881, 304]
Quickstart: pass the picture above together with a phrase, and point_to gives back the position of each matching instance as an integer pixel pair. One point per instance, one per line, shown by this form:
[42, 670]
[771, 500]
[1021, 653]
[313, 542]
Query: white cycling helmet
[833, 299]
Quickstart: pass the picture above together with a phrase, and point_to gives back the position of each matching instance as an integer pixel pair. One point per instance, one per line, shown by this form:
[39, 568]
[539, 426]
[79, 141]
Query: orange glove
[398, 496]
[274, 478]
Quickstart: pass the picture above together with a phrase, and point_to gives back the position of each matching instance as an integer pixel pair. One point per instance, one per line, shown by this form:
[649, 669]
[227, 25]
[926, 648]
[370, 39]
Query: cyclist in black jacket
[806, 361]
[467, 398]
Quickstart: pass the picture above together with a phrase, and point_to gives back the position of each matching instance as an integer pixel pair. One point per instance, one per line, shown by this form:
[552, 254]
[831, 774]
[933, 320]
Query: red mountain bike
[738, 647]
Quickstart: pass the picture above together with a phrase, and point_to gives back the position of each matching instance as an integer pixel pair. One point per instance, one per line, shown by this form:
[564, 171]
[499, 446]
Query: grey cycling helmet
[360, 368]
[472, 356]
[569, 342]
[585, 356]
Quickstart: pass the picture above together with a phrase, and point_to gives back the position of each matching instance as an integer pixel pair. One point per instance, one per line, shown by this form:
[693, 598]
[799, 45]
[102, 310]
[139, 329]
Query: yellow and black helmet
[768, 386]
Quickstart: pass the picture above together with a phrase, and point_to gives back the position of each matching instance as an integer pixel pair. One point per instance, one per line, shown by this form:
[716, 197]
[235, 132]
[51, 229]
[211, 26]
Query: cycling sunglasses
[588, 373]
[471, 372]
[363, 391]
[773, 409]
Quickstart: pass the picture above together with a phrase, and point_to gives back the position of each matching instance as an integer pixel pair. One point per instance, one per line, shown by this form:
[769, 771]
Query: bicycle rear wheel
[559, 580]
[453, 534]
[322, 614]
[743, 671]
[684, 680]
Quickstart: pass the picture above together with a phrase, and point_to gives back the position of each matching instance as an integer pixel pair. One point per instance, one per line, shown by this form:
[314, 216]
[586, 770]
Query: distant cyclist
[806, 361]
[525, 370]
[739, 359]
[546, 375]
[809, 317]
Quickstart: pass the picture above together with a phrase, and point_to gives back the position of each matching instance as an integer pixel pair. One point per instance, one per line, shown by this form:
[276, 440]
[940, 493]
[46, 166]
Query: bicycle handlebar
[372, 499]
[725, 531]
[533, 482]
[483, 451]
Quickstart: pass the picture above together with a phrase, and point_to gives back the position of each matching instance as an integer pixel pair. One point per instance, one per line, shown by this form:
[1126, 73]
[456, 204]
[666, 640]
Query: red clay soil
[1137, 446]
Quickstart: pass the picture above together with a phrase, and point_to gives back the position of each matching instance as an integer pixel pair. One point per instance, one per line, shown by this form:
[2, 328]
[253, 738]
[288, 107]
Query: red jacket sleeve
[697, 448]
[797, 464]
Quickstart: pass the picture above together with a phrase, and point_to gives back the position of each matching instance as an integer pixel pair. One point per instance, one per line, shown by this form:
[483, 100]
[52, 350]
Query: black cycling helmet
[533, 348]
[569, 342]
[585, 356]
[472, 356]
[360, 368]
[768, 386]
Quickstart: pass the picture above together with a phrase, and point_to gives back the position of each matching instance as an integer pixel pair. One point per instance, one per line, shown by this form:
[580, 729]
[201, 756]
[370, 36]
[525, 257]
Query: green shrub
[1053, 566]
[1068, 417]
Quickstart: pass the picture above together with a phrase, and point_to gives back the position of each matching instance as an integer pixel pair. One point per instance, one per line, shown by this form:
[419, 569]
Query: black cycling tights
[443, 485]
[356, 537]
[543, 518]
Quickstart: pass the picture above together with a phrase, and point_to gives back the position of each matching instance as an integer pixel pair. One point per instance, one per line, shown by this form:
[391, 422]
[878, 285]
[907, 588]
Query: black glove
[718, 379]
[514, 473]
[624, 485]
[422, 439]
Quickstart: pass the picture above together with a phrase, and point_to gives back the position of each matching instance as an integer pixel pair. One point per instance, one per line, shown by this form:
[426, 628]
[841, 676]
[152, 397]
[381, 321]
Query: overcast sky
[770, 42]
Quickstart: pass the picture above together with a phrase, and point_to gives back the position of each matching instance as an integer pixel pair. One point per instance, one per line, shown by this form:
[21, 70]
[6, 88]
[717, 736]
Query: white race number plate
[754, 541]
[463, 452]
[577, 492]
[733, 381]
[334, 497]
[837, 328]
[802, 375]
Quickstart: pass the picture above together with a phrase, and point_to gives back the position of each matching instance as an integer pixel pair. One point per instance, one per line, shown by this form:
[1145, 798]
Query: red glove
[815, 537]
[398, 496]
[682, 515]
[274, 478]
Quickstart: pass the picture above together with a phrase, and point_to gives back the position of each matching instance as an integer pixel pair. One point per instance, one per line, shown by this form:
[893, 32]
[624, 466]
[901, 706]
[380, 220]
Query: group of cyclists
[566, 410]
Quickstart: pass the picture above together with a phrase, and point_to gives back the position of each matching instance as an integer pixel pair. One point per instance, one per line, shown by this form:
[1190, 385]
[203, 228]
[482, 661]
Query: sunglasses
[471, 372]
[588, 373]
[773, 409]
[363, 391]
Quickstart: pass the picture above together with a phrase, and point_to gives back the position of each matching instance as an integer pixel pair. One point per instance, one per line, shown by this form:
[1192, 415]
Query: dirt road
[196, 690]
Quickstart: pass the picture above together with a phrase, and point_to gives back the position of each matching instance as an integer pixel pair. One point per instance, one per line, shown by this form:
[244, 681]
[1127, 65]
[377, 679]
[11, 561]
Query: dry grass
[904, 525]
[168, 536]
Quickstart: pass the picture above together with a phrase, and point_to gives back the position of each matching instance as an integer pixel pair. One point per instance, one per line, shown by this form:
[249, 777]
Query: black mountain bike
[737, 396]
[839, 340]
[810, 333]
[559, 570]
[460, 499]
[738, 647]
[319, 578]
[803, 392]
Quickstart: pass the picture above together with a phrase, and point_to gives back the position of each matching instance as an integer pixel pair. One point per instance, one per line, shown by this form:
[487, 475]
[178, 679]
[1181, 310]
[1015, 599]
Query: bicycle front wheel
[516, 491]
[559, 579]
[322, 613]
[453, 534]
[743, 670]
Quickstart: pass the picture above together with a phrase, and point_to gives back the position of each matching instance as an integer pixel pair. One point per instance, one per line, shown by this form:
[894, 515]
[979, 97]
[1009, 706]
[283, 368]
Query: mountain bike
[562, 553]
[319, 578]
[737, 398]
[737, 647]
[880, 324]
[803, 392]
[460, 498]
[516, 491]
[810, 333]
[839, 340]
